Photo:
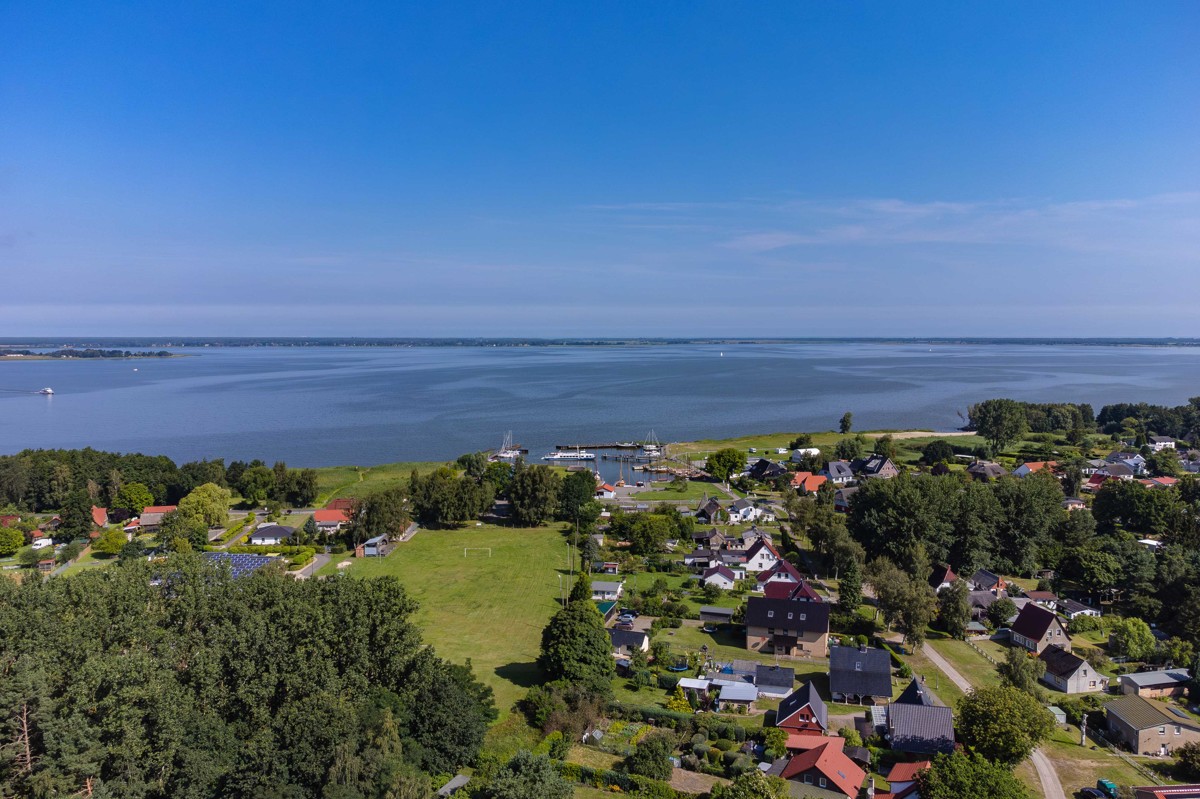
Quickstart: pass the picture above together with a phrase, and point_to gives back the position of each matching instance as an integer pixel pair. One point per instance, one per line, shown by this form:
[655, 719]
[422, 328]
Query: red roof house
[328, 517]
[828, 767]
[99, 516]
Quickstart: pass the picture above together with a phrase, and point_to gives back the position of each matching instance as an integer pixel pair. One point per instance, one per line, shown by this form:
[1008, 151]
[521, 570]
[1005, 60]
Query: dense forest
[44, 479]
[176, 680]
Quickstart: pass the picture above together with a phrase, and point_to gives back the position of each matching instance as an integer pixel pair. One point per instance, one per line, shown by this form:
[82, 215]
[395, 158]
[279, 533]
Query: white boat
[507, 451]
[46, 391]
[570, 455]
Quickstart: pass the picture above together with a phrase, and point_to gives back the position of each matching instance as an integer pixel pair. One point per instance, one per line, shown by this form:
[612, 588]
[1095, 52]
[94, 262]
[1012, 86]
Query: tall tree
[846, 423]
[954, 609]
[968, 776]
[133, 497]
[725, 462]
[1002, 723]
[578, 489]
[576, 648]
[209, 503]
[1000, 421]
[1021, 670]
[534, 493]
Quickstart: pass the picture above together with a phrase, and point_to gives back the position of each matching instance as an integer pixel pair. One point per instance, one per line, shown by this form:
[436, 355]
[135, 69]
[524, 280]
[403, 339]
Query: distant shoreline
[83, 354]
[191, 342]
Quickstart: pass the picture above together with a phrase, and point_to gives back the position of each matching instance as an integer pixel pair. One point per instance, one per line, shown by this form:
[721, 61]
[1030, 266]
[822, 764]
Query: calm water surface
[327, 406]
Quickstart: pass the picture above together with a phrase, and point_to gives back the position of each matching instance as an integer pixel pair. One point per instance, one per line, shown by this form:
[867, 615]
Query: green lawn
[694, 490]
[358, 481]
[489, 609]
[969, 663]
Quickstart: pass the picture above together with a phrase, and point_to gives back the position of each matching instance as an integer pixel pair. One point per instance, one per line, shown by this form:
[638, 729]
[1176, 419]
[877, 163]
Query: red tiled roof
[99, 516]
[336, 515]
[606, 487]
[159, 508]
[5, 521]
[907, 772]
[340, 504]
[832, 763]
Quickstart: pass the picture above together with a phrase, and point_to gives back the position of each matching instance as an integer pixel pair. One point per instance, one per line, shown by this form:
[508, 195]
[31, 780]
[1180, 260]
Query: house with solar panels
[240, 565]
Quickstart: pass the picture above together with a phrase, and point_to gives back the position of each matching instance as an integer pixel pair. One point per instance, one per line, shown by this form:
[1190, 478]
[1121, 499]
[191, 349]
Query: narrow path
[947, 669]
[1051, 785]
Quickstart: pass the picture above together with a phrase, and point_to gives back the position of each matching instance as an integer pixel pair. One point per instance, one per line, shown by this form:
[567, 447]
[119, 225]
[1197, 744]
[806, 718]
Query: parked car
[1089, 793]
[1108, 788]
[627, 612]
[626, 619]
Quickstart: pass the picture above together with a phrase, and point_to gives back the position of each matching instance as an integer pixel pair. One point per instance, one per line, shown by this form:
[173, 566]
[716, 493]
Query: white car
[42, 543]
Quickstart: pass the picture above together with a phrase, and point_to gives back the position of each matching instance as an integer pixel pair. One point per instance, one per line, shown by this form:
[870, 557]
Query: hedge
[628, 783]
[263, 549]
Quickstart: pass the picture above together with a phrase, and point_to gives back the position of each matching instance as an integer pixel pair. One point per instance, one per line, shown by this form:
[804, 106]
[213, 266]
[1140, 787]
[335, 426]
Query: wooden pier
[612, 445]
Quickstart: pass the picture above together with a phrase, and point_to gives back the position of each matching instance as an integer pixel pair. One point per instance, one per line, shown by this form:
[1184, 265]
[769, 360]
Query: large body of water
[327, 406]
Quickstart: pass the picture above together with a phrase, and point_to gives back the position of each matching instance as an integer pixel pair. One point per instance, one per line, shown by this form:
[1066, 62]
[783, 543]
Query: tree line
[43, 479]
[174, 679]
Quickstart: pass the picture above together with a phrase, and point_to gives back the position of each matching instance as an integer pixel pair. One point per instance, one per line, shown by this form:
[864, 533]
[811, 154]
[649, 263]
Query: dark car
[1090, 793]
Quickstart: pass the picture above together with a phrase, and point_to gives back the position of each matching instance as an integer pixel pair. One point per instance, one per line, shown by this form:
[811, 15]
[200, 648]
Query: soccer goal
[488, 550]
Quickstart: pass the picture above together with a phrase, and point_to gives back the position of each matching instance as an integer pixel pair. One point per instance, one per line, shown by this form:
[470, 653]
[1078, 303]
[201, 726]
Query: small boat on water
[570, 455]
[507, 451]
[46, 391]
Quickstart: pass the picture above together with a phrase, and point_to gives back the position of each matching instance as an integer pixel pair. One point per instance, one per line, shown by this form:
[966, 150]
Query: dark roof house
[859, 672]
[920, 729]
[986, 470]
[806, 696]
[774, 679]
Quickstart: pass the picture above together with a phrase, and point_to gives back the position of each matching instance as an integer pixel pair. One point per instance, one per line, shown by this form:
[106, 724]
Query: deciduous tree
[529, 776]
[968, 776]
[1002, 723]
[534, 493]
[954, 609]
[133, 497]
[725, 462]
[209, 503]
[1000, 421]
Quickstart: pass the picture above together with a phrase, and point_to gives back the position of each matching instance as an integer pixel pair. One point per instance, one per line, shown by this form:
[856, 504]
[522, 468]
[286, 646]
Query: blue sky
[620, 169]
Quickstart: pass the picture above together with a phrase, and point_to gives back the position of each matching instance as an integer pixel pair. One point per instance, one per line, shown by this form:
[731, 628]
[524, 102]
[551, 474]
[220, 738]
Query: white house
[761, 556]
[605, 590]
[268, 534]
[606, 491]
[1159, 443]
[743, 510]
[722, 577]
[799, 455]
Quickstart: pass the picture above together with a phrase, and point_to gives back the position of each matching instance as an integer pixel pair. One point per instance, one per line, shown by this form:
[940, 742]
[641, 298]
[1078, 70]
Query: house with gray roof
[626, 642]
[774, 681]
[1147, 727]
[921, 729]
[838, 472]
[607, 590]
[857, 673]
[737, 695]
[1156, 684]
[1069, 673]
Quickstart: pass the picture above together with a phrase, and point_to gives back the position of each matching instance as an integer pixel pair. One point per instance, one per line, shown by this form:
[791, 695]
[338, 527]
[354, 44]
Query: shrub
[724, 744]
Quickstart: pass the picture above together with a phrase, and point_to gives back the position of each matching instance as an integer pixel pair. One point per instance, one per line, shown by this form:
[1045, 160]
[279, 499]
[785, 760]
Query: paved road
[1051, 784]
[947, 669]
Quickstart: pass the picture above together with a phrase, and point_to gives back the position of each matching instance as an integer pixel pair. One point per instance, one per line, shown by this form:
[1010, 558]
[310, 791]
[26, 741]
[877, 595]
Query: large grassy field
[358, 481]
[490, 609]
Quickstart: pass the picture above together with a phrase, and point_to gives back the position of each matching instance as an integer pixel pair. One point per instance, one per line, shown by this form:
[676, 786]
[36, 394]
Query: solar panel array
[239, 564]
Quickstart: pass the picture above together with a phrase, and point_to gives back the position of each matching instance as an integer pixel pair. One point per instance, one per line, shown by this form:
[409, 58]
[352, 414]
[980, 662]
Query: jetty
[610, 445]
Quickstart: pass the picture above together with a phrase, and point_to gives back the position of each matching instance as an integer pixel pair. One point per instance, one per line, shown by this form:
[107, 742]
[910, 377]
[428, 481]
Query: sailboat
[651, 446]
[507, 452]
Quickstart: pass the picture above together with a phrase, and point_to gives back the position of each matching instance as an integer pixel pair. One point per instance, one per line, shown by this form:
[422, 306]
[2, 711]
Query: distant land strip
[72, 347]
